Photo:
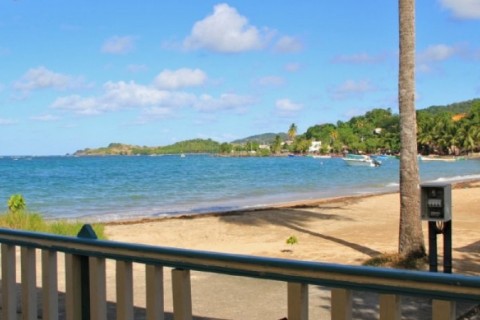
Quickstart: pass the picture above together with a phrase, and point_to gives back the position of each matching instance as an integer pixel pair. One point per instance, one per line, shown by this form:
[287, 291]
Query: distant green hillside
[265, 138]
[455, 108]
[188, 146]
[376, 131]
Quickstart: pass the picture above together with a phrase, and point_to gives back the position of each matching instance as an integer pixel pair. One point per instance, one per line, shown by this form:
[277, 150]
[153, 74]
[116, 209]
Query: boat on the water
[436, 158]
[361, 160]
[321, 156]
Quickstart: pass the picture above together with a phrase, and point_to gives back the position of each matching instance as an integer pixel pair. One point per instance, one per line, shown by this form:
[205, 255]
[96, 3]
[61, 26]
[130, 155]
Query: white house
[315, 146]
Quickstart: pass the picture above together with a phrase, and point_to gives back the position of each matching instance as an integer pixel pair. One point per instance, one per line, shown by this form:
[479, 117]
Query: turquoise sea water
[112, 188]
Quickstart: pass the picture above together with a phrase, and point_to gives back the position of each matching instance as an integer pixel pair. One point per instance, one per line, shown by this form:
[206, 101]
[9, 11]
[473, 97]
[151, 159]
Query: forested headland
[444, 130]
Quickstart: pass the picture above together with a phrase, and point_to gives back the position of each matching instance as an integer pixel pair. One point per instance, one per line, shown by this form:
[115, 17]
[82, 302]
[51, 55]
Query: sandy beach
[346, 230]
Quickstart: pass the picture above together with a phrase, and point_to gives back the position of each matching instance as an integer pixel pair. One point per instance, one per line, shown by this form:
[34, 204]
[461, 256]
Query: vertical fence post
[78, 280]
[9, 287]
[341, 304]
[49, 285]
[182, 295]
[29, 285]
[155, 296]
[297, 301]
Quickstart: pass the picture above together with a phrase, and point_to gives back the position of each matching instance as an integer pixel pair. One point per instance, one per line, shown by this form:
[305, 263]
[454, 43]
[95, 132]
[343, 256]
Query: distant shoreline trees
[448, 130]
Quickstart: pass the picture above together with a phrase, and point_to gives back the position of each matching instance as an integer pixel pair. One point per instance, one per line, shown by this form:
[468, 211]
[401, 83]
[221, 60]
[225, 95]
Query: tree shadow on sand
[469, 261]
[298, 220]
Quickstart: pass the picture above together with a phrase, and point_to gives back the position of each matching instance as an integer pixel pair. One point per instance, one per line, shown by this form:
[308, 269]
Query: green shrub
[18, 217]
[16, 203]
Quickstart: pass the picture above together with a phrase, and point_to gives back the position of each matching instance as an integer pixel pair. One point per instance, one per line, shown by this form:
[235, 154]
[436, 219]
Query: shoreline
[346, 230]
[296, 204]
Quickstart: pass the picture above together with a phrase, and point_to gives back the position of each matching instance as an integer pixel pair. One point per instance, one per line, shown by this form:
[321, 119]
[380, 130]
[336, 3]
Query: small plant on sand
[291, 241]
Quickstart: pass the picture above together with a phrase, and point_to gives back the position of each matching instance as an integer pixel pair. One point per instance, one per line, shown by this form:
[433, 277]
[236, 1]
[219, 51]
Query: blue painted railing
[85, 279]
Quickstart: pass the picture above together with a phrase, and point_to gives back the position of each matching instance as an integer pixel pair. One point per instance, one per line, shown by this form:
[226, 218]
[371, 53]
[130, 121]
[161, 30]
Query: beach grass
[394, 260]
[32, 221]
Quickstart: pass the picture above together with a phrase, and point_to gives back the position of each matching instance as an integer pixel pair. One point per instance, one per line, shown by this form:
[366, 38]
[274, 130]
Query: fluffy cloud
[292, 67]
[288, 44]
[224, 31]
[351, 89]
[437, 52]
[226, 101]
[45, 118]
[180, 78]
[7, 122]
[123, 95]
[463, 9]
[118, 45]
[42, 78]
[359, 58]
[271, 81]
[286, 107]
[151, 100]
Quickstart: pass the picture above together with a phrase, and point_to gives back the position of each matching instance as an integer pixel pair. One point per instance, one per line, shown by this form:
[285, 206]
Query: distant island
[443, 130]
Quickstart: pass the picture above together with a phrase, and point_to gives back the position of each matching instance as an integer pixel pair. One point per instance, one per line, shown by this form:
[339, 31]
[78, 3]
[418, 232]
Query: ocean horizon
[113, 188]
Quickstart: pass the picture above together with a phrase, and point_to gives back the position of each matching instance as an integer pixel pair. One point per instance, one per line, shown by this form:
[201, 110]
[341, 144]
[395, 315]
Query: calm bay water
[112, 188]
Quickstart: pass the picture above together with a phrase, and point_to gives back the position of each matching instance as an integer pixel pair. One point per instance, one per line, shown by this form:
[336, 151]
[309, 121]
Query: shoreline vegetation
[452, 130]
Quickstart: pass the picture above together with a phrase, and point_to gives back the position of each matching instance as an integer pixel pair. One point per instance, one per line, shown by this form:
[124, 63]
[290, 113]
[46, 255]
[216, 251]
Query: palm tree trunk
[411, 243]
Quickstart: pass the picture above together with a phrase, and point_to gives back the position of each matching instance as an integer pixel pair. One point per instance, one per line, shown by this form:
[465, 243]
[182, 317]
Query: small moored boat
[361, 160]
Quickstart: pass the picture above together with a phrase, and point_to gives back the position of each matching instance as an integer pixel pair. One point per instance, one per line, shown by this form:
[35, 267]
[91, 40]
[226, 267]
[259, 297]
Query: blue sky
[77, 74]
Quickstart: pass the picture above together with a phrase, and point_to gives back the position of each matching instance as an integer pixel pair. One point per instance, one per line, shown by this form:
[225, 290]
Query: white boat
[316, 156]
[361, 160]
[429, 158]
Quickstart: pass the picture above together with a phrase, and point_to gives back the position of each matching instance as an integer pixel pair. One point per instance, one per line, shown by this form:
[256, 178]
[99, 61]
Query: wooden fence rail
[85, 279]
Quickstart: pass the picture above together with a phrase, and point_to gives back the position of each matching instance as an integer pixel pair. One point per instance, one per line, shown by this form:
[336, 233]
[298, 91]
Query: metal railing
[85, 279]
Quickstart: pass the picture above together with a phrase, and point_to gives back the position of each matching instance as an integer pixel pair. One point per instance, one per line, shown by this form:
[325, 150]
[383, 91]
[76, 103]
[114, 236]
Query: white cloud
[437, 52]
[271, 81]
[77, 104]
[42, 78]
[224, 31]
[118, 45]
[226, 101]
[428, 58]
[136, 68]
[180, 78]
[286, 107]
[288, 44]
[463, 9]
[123, 95]
[351, 89]
[45, 118]
[359, 58]
[7, 122]
[292, 67]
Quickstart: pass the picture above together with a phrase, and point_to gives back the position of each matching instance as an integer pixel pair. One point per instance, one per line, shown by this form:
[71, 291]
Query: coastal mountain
[265, 138]
[377, 130]
[455, 108]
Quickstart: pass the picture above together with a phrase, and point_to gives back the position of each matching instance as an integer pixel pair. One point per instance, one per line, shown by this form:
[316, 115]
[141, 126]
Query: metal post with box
[436, 208]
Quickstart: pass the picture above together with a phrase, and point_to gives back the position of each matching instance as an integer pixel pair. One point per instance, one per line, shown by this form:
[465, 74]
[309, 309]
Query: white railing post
[9, 286]
[154, 292]
[124, 290]
[341, 304]
[297, 301]
[73, 287]
[49, 285]
[182, 295]
[98, 289]
[443, 310]
[390, 307]
[29, 283]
